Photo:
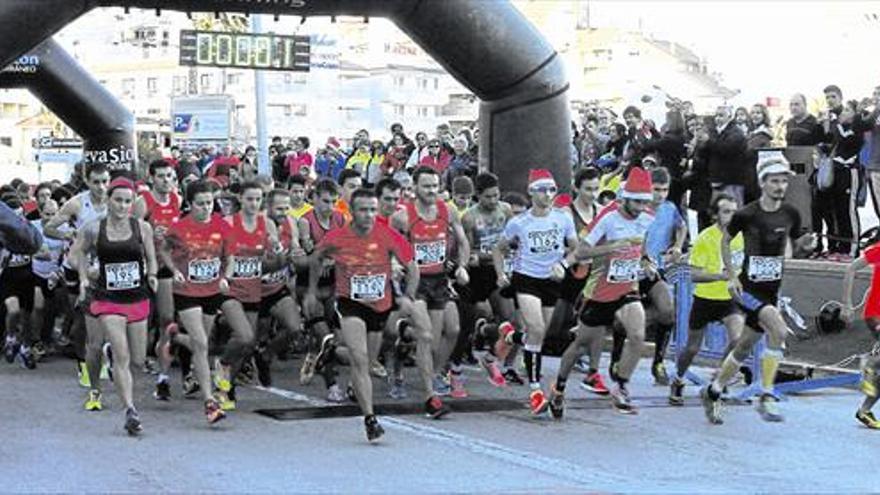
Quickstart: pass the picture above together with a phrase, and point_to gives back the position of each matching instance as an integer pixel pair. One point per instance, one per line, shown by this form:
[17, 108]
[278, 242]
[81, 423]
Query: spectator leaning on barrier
[696, 178]
[725, 155]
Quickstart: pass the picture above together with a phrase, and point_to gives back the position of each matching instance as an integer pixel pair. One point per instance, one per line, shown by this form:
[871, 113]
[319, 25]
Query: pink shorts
[133, 312]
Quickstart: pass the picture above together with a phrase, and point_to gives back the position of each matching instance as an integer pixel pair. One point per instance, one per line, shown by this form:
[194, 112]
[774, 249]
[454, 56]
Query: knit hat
[540, 177]
[638, 185]
[772, 161]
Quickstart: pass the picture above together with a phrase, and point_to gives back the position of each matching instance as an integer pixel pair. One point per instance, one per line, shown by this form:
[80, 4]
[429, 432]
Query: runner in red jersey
[252, 238]
[161, 207]
[194, 249]
[871, 369]
[363, 252]
[277, 299]
[432, 229]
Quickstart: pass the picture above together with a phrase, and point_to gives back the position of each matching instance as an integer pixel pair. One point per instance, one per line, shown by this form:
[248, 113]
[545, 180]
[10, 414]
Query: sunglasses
[544, 189]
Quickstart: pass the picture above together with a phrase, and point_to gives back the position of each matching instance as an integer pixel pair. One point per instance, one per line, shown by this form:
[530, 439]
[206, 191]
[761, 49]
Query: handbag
[825, 171]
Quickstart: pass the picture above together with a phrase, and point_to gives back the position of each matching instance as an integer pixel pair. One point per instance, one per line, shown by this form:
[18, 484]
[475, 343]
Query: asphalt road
[49, 444]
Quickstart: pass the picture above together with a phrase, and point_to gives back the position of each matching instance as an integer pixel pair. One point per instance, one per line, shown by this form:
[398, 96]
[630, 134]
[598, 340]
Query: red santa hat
[638, 185]
[540, 177]
[332, 142]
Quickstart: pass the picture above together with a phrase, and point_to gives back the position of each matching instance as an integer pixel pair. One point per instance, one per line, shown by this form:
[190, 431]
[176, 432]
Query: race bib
[765, 268]
[544, 241]
[623, 270]
[430, 253]
[122, 276]
[367, 287]
[277, 277]
[247, 267]
[487, 243]
[18, 260]
[204, 271]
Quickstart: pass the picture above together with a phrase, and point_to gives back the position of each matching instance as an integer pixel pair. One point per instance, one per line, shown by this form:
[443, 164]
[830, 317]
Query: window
[423, 84]
[128, 86]
[398, 81]
[152, 85]
[436, 83]
[233, 79]
[398, 110]
[423, 111]
[206, 80]
[179, 84]
[5, 141]
[153, 111]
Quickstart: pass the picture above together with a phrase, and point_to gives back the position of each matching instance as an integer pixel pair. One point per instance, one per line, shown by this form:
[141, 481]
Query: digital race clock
[244, 50]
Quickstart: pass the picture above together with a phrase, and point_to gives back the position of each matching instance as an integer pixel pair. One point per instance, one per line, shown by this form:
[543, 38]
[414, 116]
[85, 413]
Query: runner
[711, 300]
[298, 204]
[120, 300]
[871, 367]
[17, 282]
[81, 210]
[615, 243]
[542, 237]
[194, 250]
[362, 253]
[47, 269]
[766, 224]
[434, 232]
[161, 207]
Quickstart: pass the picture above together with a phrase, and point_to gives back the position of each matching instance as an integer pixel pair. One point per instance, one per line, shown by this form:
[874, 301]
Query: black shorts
[71, 280]
[752, 303]
[705, 311]
[646, 284]
[210, 305]
[601, 314]
[483, 282]
[434, 290]
[571, 286]
[249, 307]
[375, 322]
[19, 283]
[164, 273]
[270, 301]
[543, 288]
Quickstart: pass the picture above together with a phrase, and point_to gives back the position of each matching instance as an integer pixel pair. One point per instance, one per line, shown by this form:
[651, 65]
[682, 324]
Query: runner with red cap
[541, 237]
[123, 246]
[615, 244]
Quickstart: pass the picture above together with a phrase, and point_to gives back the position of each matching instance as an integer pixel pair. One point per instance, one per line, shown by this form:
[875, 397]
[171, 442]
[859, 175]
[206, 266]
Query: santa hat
[540, 177]
[638, 185]
[332, 142]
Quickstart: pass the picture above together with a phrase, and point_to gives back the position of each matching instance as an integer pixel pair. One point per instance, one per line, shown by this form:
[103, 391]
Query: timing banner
[245, 50]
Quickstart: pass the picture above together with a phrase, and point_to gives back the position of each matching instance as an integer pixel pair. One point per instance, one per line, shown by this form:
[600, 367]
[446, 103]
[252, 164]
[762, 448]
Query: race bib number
[765, 268]
[18, 260]
[623, 270]
[368, 287]
[487, 243]
[204, 271]
[277, 277]
[247, 267]
[544, 241]
[430, 253]
[122, 276]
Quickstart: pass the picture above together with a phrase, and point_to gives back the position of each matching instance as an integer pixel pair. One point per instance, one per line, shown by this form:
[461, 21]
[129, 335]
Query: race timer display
[244, 50]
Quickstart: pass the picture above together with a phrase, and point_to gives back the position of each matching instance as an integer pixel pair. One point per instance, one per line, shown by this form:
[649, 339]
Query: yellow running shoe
[93, 403]
[83, 371]
[222, 398]
[868, 419]
[867, 385]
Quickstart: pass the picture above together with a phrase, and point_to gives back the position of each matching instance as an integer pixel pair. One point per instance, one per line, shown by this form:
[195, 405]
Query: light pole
[264, 167]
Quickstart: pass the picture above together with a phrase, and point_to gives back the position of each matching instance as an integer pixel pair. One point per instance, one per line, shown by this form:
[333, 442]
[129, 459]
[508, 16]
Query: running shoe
[307, 371]
[26, 356]
[107, 349]
[504, 343]
[434, 408]
[582, 365]
[225, 401]
[557, 403]
[39, 351]
[621, 400]
[336, 395]
[213, 411]
[221, 378]
[263, 364]
[373, 428]
[478, 337]
[163, 391]
[491, 367]
[10, 349]
[133, 422]
[150, 367]
[511, 376]
[676, 392]
[377, 370]
[538, 402]
[441, 386]
[82, 371]
[93, 402]
[326, 353]
[594, 383]
[191, 386]
[768, 409]
[661, 378]
[456, 386]
[867, 384]
[868, 419]
[397, 390]
[711, 406]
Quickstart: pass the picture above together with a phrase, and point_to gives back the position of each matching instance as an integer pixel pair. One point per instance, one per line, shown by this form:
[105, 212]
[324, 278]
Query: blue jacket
[17, 235]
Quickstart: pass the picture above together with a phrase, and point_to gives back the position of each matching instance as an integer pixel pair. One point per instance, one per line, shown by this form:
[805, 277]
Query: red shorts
[133, 312]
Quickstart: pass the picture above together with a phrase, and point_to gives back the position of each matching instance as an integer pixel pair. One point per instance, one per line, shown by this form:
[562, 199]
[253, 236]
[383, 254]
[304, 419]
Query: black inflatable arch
[486, 44]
